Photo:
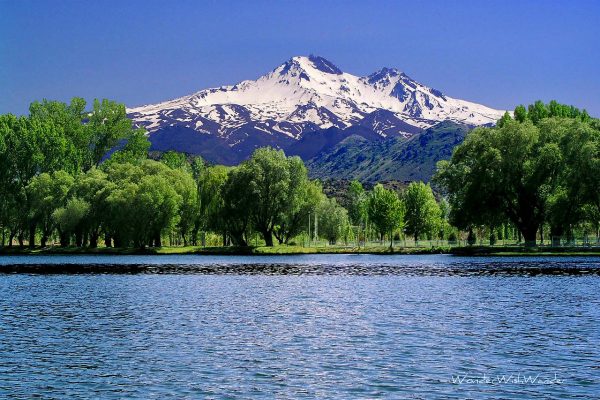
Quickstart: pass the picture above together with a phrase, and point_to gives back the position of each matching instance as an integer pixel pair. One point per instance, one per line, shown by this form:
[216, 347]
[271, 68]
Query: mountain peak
[384, 74]
[324, 65]
[389, 71]
[306, 94]
[303, 66]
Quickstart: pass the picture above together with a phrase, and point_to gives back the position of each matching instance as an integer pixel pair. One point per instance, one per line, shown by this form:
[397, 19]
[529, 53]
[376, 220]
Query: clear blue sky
[497, 53]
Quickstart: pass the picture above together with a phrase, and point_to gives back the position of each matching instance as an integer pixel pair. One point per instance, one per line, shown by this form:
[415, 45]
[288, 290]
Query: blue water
[303, 327]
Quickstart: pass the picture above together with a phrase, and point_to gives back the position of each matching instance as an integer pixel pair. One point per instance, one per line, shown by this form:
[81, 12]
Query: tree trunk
[64, 239]
[157, 241]
[194, 237]
[529, 234]
[44, 240]
[78, 239]
[555, 235]
[93, 240]
[32, 236]
[268, 236]
[21, 239]
[238, 240]
[107, 240]
[280, 235]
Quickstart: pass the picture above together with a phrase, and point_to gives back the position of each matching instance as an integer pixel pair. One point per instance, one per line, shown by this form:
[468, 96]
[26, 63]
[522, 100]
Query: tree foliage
[422, 213]
[385, 211]
[83, 176]
[529, 171]
[333, 220]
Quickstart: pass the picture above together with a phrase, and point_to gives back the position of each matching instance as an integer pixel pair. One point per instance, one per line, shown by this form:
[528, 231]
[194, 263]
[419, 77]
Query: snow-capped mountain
[305, 94]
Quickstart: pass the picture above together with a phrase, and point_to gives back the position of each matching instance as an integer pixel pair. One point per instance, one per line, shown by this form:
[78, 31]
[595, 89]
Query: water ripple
[303, 330]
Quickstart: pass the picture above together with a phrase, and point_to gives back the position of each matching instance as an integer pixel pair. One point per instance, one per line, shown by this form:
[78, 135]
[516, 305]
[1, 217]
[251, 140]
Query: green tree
[93, 187]
[537, 111]
[46, 193]
[143, 203]
[175, 160]
[25, 159]
[135, 149]
[496, 172]
[520, 113]
[303, 197]
[122, 219]
[188, 211]
[524, 172]
[333, 220]
[506, 117]
[269, 182]
[107, 125]
[445, 228]
[69, 221]
[157, 205]
[210, 182]
[357, 203]
[236, 210]
[385, 211]
[60, 127]
[6, 174]
[565, 199]
[423, 214]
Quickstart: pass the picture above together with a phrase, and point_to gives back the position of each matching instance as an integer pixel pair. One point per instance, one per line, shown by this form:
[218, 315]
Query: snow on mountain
[306, 94]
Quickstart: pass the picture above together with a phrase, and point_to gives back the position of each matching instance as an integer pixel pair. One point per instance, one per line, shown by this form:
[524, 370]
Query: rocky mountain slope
[390, 159]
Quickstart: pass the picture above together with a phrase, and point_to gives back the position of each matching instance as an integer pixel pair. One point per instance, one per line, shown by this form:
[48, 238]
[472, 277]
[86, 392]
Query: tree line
[83, 177]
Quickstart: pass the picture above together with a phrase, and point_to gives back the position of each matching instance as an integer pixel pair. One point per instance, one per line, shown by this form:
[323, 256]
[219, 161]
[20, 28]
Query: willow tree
[305, 198]
[274, 186]
[530, 170]
[499, 172]
[385, 211]
[423, 215]
[46, 193]
[235, 211]
[333, 220]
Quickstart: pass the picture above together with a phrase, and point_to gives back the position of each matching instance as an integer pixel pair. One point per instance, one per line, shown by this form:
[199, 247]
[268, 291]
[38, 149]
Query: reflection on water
[309, 327]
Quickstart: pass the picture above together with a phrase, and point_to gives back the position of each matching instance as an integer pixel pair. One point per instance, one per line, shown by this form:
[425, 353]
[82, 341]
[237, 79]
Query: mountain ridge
[301, 97]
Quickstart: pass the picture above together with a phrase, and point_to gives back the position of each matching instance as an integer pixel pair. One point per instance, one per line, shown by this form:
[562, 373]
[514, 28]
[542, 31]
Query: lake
[311, 326]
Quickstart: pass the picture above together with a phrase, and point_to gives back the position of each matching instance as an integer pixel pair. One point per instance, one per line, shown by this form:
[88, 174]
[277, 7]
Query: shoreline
[474, 251]
[224, 251]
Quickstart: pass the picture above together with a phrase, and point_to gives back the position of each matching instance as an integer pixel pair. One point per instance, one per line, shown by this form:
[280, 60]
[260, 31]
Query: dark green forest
[73, 176]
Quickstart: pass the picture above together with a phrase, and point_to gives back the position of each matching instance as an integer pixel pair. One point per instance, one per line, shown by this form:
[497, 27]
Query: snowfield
[310, 93]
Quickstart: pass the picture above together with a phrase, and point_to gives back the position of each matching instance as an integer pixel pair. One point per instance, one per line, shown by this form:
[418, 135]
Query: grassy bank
[474, 251]
[259, 250]
[480, 251]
